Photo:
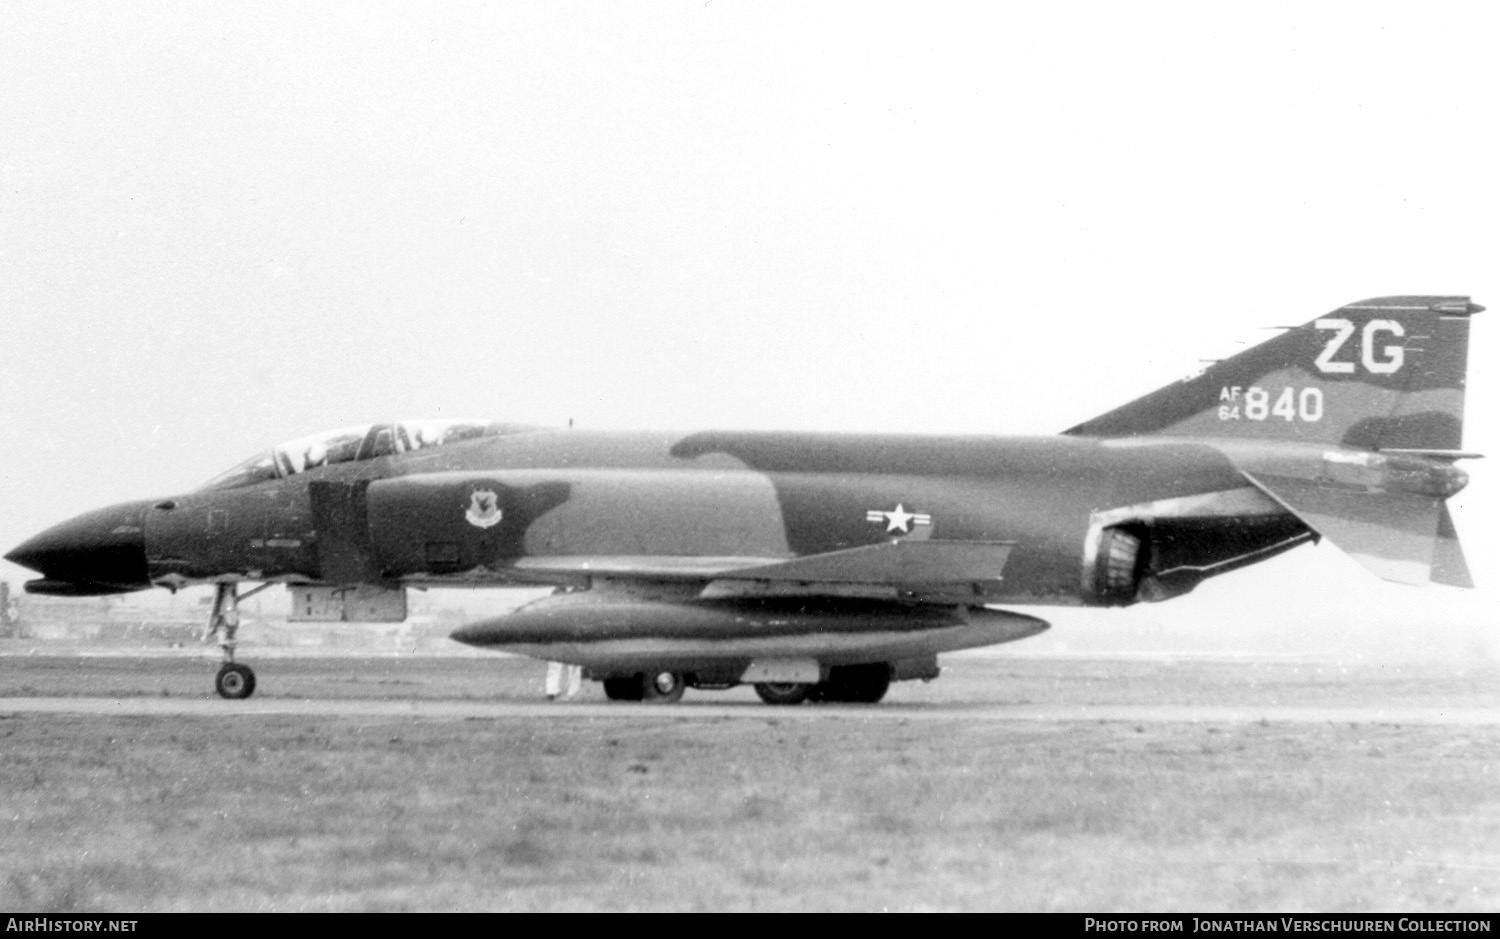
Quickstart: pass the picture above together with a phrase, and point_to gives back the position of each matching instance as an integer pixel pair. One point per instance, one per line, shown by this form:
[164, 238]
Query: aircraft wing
[1404, 537]
[931, 563]
[658, 567]
[932, 568]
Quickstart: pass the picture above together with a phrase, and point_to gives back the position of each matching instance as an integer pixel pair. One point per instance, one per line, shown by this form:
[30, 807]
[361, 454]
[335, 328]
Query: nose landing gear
[234, 681]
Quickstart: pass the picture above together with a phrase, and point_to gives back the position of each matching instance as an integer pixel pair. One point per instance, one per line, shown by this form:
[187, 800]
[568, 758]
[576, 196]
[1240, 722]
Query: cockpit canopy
[360, 442]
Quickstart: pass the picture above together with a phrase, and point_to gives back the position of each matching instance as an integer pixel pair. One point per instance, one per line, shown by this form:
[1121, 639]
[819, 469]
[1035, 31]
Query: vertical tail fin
[1382, 374]
[1386, 375]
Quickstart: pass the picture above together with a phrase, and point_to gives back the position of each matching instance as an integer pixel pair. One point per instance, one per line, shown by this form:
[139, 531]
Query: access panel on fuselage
[204, 535]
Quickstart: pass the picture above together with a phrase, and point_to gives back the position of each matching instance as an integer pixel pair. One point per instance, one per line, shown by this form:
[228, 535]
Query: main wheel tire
[627, 688]
[856, 684]
[235, 682]
[782, 692]
[662, 687]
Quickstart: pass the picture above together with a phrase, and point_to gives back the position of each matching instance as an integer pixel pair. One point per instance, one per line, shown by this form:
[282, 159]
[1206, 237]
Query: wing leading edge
[951, 571]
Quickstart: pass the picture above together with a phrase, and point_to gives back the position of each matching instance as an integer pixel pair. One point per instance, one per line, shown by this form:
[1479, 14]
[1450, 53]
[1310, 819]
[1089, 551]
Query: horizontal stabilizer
[1448, 564]
[1393, 534]
[894, 562]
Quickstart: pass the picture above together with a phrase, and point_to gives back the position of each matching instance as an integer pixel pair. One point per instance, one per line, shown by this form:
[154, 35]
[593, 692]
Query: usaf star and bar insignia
[898, 519]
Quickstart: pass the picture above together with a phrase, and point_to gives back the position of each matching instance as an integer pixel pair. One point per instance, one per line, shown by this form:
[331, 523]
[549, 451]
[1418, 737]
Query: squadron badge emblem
[484, 509]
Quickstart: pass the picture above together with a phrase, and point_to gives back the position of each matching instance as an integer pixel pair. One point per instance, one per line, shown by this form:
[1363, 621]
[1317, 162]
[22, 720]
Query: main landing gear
[783, 692]
[234, 681]
[846, 684]
[652, 687]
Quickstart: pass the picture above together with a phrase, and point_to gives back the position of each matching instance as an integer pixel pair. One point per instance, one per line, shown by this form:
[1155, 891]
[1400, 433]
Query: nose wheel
[234, 681]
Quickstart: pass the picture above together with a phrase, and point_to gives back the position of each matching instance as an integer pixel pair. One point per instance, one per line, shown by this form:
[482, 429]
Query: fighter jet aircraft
[825, 566]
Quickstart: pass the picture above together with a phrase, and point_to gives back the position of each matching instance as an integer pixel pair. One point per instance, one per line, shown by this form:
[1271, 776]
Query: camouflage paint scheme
[816, 561]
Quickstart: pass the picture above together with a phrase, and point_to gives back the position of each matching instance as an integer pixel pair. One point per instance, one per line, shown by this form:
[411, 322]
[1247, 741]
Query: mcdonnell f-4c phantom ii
[825, 566]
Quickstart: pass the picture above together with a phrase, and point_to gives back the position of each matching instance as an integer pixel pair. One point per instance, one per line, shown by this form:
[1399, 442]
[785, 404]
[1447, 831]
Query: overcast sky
[225, 225]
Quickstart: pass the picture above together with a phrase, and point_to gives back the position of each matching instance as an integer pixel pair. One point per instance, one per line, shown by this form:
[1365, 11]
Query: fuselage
[665, 499]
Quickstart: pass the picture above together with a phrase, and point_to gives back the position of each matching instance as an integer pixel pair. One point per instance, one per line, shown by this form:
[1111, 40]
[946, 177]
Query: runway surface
[1150, 714]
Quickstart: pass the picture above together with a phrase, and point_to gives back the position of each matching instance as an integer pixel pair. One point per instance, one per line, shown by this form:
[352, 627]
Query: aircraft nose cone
[103, 548]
